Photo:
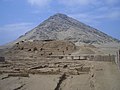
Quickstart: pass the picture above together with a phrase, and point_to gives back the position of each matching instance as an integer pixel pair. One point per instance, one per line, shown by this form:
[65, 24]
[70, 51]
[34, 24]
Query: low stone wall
[71, 57]
[110, 58]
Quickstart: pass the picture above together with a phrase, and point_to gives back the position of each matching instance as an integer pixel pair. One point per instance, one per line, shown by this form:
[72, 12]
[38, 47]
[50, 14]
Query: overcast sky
[20, 16]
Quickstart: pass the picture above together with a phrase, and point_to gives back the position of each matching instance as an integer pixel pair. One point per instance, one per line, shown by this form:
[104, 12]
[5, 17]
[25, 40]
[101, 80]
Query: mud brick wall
[110, 58]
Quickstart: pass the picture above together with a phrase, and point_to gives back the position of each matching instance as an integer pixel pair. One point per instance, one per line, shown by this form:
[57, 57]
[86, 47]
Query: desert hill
[62, 27]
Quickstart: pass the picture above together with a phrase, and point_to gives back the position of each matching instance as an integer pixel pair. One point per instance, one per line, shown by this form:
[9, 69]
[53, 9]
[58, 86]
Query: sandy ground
[76, 83]
[41, 82]
[34, 82]
[107, 76]
[102, 76]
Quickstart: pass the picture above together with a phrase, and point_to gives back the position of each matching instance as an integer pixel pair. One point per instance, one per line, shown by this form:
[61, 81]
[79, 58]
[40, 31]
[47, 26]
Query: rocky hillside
[62, 27]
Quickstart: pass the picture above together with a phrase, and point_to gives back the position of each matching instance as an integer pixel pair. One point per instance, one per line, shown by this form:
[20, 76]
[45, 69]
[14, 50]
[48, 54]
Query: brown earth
[26, 69]
[102, 76]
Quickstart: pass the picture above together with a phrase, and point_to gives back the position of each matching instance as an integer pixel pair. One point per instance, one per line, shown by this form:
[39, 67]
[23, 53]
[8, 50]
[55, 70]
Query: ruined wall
[110, 58]
[44, 48]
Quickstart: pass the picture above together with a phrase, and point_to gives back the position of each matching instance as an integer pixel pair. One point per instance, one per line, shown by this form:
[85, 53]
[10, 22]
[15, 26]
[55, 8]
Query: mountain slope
[62, 27]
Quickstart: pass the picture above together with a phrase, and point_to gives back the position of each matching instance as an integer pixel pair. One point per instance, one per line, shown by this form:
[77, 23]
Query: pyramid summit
[63, 27]
[59, 15]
